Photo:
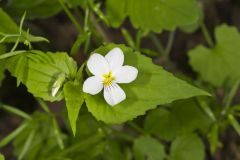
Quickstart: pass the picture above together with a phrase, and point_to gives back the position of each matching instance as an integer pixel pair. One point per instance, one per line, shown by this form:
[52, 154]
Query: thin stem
[27, 145]
[10, 54]
[12, 135]
[99, 28]
[86, 19]
[128, 38]
[15, 45]
[137, 128]
[204, 106]
[86, 30]
[43, 105]
[15, 111]
[122, 135]
[157, 43]
[57, 133]
[70, 16]
[228, 99]
[56, 128]
[169, 45]
[207, 35]
[139, 39]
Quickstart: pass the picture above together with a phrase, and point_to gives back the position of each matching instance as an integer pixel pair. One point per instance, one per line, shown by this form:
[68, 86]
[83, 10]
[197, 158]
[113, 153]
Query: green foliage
[116, 11]
[187, 147]
[74, 98]
[148, 147]
[43, 73]
[154, 15]
[152, 87]
[2, 64]
[113, 151]
[219, 65]
[74, 3]
[158, 15]
[182, 117]
[41, 125]
[35, 9]
[9, 31]
[190, 28]
[1, 157]
[169, 114]
[40, 133]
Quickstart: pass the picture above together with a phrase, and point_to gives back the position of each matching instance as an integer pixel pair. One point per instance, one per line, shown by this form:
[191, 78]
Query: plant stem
[228, 99]
[54, 122]
[70, 16]
[137, 128]
[157, 43]
[12, 135]
[86, 19]
[204, 106]
[207, 35]
[27, 145]
[99, 28]
[128, 38]
[44, 105]
[57, 133]
[169, 46]
[86, 29]
[122, 135]
[139, 39]
[15, 111]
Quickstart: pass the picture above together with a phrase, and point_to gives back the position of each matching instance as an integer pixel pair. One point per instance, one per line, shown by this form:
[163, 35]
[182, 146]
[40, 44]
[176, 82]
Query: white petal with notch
[115, 59]
[126, 74]
[114, 94]
[97, 65]
[93, 85]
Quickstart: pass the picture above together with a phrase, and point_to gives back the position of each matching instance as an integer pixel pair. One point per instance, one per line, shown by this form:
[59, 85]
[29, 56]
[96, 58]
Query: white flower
[108, 71]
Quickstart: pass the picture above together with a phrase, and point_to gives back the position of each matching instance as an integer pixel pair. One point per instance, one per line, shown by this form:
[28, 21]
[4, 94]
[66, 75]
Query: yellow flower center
[108, 78]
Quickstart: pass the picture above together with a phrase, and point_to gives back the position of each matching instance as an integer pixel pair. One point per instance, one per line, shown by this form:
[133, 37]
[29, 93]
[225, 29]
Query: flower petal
[115, 58]
[93, 85]
[97, 65]
[114, 94]
[126, 74]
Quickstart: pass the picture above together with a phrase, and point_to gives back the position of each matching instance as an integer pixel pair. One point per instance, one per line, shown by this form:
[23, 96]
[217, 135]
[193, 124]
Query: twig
[207, 35]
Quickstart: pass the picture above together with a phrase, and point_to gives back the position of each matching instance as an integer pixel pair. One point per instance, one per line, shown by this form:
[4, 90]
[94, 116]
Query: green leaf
[74, 3]
[57, 133]
[187, 147]
[194, 26]
[152, 87]
[213, 138]
[79, 42]
[181, 118]
[86, 126]
[156, 15]
[219, 65]
[27, 145]
[148, 147]
[74, 98]
[1, 157]
[234, 123]
[116, 12]
[12, 135]
[113, 151]
[43, 73]
[15, 111]
[40, 133]
[10, 29]
[34, 9]
[128, 38]
[2, 64]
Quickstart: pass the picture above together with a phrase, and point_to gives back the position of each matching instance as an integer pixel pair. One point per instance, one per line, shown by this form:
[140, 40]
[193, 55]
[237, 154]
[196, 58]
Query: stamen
[108, 78]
